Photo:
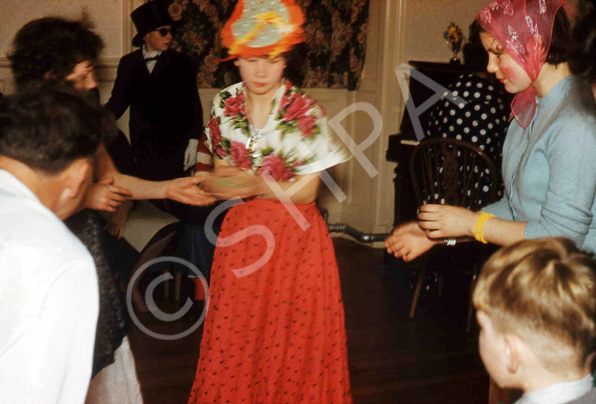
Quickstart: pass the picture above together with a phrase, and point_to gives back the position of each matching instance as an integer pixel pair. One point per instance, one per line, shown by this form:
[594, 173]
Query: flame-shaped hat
[263, 28]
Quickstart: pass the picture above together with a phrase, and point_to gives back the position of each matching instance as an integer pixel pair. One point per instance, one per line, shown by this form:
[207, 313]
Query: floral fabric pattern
[335, 46]
[293, 141]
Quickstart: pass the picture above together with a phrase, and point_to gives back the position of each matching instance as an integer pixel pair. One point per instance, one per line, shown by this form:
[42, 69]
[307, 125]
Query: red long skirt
[274, 332]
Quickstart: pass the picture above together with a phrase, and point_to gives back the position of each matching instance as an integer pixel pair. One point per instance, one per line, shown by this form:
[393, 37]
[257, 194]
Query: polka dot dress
[482, 121]
[274, 332]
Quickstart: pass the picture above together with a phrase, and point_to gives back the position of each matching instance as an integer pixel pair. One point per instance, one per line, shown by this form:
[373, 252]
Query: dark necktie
[151, 59]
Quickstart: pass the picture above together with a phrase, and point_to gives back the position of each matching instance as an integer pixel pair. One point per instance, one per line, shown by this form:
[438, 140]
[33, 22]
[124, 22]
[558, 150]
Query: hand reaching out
[186, 190]
[104, 195]
[408, 241]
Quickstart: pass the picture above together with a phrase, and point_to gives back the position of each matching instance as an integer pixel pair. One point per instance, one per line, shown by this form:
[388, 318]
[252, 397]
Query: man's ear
[512, 352]
[75, 178]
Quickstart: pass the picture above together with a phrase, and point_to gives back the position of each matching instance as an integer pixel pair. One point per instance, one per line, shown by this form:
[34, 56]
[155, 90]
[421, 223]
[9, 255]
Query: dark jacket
[165, 111]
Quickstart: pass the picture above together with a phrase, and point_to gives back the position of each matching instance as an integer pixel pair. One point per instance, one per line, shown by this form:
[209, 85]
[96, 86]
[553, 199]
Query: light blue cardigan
[549, 168]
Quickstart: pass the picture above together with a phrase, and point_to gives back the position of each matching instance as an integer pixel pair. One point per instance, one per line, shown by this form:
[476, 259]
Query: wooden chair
[451, 172]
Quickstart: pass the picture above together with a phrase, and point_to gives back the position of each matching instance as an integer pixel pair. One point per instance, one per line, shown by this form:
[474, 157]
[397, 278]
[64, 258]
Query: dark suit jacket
[165, 111]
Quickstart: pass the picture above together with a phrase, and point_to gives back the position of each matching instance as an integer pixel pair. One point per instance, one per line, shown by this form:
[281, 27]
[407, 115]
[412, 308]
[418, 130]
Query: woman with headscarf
[274, 330]
[549, 169]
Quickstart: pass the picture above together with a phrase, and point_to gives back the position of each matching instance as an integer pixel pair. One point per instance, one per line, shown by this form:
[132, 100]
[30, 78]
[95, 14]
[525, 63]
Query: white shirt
[151, 63]
[49, 303]
[559, 393]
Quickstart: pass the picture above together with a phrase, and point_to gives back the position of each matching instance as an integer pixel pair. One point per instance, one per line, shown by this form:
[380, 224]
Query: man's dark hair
[50, 48]
[50, 125]
[583, 55]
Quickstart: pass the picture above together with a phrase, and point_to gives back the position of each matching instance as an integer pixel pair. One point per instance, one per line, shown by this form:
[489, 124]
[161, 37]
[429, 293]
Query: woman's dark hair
[583, 54]
[49, 125]
[559, 46]
[561, 36]
[52, 46]
[475, 56]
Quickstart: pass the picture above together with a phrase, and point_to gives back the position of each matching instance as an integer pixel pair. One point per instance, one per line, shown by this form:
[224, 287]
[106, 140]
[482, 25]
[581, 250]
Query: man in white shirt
[48, 285]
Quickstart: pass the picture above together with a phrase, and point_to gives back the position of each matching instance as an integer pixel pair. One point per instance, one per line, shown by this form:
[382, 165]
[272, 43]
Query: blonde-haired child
[536, 307]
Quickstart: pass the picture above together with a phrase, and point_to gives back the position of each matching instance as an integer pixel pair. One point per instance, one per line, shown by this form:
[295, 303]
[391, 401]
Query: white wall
[105, 14]
[426, 21]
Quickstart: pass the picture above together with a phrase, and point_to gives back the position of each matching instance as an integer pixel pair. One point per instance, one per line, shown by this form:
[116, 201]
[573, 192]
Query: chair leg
[166, 289]
[178, 286]
[419, 283]
[137, 298]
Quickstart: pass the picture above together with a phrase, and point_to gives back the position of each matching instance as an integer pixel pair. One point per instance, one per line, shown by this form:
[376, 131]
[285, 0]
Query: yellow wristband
[480, 226]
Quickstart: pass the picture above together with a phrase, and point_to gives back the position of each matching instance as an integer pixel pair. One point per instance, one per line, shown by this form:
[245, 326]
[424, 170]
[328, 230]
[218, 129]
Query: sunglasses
[164, 31]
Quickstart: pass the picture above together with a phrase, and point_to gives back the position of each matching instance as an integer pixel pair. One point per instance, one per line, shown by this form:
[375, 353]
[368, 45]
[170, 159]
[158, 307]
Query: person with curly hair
[53, 48]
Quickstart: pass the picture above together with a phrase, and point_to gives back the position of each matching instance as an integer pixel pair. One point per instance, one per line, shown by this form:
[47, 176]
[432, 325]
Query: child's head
[539, 295]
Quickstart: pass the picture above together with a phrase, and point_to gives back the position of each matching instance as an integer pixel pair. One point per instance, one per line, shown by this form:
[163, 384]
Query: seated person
[484, 119]
[536, 307]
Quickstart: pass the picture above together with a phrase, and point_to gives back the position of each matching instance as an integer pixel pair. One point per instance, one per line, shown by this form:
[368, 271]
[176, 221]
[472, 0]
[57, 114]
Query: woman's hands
[442, 221]
[187, 191]
[408, 241]
[435, 222]
[232, 182]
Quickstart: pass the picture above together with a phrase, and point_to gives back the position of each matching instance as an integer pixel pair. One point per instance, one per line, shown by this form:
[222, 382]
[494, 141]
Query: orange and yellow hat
[263, 28]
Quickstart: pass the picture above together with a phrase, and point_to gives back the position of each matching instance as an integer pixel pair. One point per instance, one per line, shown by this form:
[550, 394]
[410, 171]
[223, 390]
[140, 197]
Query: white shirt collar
[16, 187]
[558, 393]
[147, 54]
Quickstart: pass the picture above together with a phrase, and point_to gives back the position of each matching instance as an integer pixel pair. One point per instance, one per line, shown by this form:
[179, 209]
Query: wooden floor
[392, 359]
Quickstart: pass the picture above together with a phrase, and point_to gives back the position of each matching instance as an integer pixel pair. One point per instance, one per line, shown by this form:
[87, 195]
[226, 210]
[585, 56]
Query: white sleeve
[51, 361]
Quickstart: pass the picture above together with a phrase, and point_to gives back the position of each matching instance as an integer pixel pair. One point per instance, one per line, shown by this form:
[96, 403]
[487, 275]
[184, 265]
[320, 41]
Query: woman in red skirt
[274, 331]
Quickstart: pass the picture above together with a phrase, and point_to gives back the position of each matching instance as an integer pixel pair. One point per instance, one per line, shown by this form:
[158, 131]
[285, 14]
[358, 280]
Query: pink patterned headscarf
[524, 28]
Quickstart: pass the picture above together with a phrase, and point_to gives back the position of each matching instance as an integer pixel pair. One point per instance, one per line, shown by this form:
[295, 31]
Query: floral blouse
[294, 140]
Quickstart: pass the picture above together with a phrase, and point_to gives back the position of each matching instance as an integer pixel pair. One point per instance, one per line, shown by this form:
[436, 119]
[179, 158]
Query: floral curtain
[332, 57]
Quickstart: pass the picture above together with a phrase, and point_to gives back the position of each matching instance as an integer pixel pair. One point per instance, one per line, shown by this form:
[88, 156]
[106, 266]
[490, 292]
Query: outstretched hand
[442, 221]
[408, 241]
[104, 195]
[187, 191]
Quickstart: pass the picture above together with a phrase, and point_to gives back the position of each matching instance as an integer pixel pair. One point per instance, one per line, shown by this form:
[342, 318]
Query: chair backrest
[452, 172]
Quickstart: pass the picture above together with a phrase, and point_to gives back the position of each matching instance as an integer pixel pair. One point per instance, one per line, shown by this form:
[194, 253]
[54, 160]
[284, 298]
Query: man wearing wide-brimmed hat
[159, 86]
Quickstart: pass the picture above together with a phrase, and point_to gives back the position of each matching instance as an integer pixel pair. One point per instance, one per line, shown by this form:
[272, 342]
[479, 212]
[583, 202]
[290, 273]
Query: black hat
[147, 18]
